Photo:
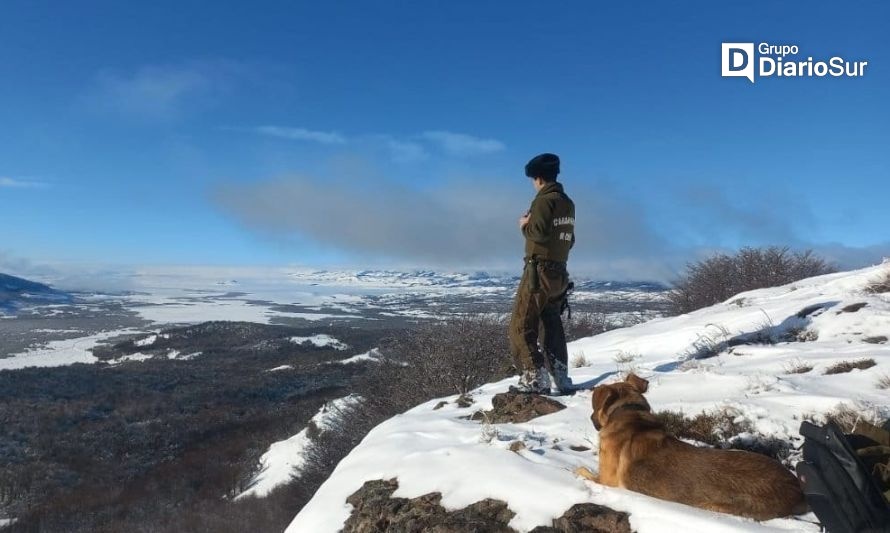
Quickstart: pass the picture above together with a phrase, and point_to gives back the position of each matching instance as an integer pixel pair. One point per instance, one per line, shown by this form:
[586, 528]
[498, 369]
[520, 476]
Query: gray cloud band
[472, 225]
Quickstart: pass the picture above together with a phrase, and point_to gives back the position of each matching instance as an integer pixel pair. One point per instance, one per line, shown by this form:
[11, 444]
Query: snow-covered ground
[813, 322]
[371, 355]
[139, 356]
[162, 309]
[285, 458]
[321, 341]
[60, 353]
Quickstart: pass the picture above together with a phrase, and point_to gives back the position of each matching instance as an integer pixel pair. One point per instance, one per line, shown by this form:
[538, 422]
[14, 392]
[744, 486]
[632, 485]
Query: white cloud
[461, 144]
[160, 92]
[405, 151]
[301, 134]
[13, 183]
[401, 149]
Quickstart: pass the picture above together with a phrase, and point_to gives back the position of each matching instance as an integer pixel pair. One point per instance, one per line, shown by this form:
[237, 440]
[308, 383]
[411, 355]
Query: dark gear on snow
[843, 477]
[543, 166]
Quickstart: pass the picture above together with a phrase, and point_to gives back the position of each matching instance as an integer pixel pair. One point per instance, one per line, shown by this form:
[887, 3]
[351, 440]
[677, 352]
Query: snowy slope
[437, 451]
[285, 458]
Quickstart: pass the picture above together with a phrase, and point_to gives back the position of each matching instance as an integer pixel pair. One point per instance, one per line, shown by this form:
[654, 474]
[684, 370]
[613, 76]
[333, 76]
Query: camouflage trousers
[537, 313]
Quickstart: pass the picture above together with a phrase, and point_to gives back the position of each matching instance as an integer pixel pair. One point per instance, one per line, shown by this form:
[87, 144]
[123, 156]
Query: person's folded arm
[540, 222]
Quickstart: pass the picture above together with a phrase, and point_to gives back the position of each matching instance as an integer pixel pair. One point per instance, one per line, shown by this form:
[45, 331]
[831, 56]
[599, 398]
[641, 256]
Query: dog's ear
[602, 397]
[641, 385]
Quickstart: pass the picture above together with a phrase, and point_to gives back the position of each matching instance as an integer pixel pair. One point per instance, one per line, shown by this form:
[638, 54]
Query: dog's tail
[583, 471]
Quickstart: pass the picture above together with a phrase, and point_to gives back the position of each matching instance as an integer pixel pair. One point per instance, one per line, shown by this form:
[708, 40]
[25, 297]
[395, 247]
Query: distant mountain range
[16, 293]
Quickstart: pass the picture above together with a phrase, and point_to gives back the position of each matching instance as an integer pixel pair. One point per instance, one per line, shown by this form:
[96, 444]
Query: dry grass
[711, 427]
[709, 344]
[778, 449]
[797, 366]
[623, 357]
[848, 366]
[626, 362]
[846, 417]
[726, 428]
[880, 285]
[883, 382]
[579, 360]
[807, 335]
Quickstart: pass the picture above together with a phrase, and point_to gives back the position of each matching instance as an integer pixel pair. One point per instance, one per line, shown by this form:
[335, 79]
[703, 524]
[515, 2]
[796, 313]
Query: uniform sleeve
[540, 222]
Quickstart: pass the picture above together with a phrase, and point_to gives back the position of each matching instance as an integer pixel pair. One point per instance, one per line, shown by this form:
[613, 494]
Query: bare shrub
[437, 359]
[451, 357]
[586, 324]
[722, 276]
[848, 366]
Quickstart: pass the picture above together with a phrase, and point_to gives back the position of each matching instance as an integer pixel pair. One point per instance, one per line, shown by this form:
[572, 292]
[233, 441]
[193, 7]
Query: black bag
[838, 487]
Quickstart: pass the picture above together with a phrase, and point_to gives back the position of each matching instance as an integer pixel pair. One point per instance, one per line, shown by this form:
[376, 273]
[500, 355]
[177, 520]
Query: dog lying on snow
[636, 453]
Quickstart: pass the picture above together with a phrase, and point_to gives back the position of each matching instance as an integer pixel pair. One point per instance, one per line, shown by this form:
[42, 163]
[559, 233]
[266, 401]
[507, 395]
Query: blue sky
[395, 133]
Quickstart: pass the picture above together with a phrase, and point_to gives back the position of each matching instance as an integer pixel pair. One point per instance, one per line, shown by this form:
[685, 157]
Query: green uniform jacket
[550, 232]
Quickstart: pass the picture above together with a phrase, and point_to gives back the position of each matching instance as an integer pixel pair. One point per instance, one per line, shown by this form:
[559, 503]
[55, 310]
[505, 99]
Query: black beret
[543, 166]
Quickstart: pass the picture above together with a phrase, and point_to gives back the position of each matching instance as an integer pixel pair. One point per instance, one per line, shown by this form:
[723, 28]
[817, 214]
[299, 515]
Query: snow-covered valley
[157, 298]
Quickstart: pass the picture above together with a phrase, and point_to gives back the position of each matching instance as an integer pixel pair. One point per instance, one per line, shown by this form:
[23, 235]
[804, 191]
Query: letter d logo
[738, 60]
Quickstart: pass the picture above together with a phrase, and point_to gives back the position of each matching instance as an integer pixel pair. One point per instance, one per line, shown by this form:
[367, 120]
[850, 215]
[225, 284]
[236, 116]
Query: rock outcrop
[376, 511]
[517, 407]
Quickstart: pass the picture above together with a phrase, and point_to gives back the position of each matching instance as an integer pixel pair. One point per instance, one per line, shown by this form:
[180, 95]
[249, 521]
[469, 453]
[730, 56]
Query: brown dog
[637, 453]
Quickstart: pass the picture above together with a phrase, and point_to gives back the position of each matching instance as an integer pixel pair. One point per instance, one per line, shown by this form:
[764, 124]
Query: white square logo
[738, 60]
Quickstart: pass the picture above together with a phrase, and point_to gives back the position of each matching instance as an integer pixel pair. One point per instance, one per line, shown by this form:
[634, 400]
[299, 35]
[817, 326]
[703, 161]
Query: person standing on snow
[549, 231]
